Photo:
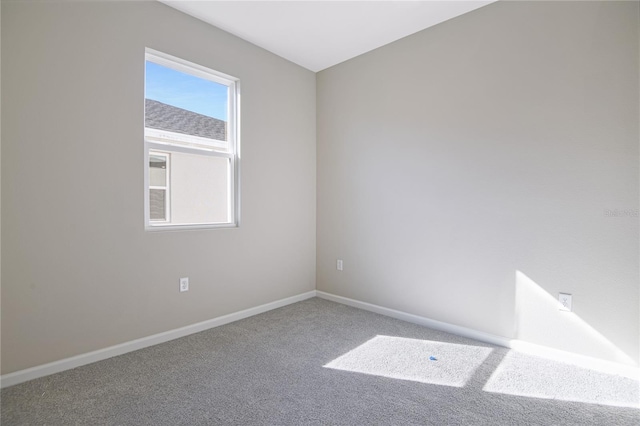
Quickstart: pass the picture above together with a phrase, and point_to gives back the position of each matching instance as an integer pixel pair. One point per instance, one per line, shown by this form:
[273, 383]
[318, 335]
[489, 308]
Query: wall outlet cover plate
[184, 284]
[564, 302]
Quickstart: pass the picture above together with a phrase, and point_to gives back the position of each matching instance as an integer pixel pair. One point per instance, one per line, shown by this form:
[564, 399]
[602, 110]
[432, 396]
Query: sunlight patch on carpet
[526, 375]
[424, 361]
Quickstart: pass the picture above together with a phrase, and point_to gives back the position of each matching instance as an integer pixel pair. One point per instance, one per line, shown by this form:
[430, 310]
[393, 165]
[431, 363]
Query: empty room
[320, 212]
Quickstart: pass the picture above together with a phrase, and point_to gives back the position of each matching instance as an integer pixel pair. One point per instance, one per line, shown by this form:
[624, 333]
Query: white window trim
[167, 137]
[194, 145]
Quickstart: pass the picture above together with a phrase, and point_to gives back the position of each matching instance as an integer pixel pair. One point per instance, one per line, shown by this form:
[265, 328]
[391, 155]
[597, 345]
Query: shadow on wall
[538, 319]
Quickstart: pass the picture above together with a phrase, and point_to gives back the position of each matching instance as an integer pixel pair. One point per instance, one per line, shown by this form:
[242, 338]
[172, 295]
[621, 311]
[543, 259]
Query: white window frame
[167, 142]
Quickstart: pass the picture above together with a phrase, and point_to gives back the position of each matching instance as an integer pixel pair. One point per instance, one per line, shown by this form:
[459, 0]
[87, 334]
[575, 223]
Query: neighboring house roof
[166, 117]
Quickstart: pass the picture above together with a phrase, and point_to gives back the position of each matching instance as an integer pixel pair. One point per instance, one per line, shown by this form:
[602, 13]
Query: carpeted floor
[318, 362]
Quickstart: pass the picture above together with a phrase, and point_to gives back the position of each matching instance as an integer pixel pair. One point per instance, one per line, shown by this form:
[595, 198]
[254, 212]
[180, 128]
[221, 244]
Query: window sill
[193, 227]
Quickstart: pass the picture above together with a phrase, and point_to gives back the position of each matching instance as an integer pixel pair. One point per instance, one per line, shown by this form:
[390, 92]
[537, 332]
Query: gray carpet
[318, 362]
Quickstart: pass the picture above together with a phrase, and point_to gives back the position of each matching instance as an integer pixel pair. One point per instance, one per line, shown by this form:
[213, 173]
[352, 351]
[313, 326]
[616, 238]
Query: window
[191, 145]
[158, 187]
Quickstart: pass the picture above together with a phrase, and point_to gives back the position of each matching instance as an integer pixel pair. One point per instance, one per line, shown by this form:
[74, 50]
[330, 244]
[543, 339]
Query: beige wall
[464, 173]
[79, 272]
[0, 187]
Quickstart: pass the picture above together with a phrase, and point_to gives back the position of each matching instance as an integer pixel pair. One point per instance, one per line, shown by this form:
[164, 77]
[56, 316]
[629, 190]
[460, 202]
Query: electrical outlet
[564, 300]
[339, 265]
[184, 284]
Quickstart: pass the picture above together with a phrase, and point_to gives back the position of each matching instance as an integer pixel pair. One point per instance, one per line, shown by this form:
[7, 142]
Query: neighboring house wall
[465, 173]
[196, 182]
[79, 272]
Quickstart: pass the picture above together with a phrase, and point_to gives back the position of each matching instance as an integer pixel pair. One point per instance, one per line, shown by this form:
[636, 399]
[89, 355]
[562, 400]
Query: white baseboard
[415, 319]
[123, 348]
[518, 345]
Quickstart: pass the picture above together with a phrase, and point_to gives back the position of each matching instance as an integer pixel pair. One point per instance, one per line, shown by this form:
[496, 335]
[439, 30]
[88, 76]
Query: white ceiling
[320, 34]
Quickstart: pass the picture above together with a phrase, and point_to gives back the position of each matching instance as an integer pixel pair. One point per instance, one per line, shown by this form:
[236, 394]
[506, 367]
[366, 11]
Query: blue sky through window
[185, 91]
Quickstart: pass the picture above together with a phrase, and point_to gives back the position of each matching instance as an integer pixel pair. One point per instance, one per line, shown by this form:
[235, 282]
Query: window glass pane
[157, 170]
[157, 204]
[191, 115]
[181, 103]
